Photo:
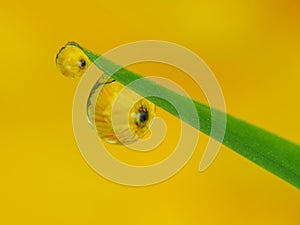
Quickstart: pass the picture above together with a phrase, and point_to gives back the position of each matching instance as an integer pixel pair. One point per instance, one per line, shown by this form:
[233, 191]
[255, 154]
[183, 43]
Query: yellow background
[253, 47]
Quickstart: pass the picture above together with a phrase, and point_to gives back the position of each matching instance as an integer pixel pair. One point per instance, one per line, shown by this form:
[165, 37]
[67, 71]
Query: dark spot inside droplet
[143, 116]
[82, 63]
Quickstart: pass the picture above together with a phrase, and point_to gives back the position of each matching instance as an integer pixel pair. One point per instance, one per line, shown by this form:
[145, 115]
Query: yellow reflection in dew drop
[71, 61]
[131, 124]
[132, 119]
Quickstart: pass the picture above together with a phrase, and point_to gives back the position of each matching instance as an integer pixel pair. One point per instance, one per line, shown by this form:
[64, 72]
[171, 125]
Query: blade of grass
[277, 155]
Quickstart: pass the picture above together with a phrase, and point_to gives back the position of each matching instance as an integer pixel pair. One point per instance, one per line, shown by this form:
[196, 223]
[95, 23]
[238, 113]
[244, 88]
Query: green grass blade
[277, 155]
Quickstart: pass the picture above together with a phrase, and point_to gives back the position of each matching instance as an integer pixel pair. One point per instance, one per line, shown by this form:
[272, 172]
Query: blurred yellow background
[253, 47]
